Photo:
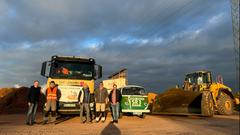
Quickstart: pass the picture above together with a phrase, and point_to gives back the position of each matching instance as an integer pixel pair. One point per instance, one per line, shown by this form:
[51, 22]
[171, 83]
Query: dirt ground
[11, 124]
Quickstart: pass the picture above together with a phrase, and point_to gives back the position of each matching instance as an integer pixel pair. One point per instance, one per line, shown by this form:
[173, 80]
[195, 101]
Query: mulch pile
[14, 100]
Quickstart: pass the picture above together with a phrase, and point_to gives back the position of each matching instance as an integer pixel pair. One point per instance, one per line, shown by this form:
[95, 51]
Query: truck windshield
[72, 70]
[133, 91]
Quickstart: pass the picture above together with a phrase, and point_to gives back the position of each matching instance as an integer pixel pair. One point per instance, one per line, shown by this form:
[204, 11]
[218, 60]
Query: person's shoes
[97, 119]
[116, 121]
[44, 122]
[88, 122]
[103, 119]
[27, 123]
[53, 119]
[112, 121]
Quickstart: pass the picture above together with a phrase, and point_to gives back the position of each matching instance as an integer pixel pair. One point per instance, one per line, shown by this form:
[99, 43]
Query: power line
[159, 14]
[155, 30]
[148, 22]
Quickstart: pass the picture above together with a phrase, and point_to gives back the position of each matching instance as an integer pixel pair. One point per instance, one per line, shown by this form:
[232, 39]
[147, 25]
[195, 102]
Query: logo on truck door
[69, 93]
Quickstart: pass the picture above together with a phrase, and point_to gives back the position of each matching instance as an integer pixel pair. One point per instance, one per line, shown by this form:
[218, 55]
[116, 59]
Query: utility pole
[235, 26]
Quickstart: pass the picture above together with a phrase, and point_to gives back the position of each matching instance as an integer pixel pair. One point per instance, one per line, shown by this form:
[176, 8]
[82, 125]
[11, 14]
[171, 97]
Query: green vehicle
[134, 100]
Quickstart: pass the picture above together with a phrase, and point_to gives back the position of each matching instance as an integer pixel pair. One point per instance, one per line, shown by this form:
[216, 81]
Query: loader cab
[199, 80]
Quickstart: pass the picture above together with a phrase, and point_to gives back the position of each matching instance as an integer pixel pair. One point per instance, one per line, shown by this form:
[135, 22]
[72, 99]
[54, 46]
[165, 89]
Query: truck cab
[70, 73]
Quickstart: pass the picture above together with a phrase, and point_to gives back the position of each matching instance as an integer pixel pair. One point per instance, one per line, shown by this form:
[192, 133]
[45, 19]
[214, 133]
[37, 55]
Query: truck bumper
[135, 111]
[69, 111]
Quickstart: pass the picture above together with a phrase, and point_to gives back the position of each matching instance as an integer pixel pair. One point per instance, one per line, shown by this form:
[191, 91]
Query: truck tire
[225, 104]
[207, 107]
[120, 115]
[143, 116]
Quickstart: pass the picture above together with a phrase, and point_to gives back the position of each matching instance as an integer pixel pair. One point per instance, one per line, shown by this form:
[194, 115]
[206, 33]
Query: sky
[158, 41]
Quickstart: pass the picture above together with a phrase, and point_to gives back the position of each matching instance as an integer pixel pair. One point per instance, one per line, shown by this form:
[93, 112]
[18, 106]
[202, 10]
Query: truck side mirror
[46, 68]
[98, 71]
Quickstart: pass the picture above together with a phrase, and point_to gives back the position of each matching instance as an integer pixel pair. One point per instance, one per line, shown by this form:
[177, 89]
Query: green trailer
[134, 100]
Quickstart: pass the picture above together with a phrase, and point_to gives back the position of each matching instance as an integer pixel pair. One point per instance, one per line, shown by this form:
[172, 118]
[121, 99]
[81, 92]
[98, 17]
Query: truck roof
[73, 58]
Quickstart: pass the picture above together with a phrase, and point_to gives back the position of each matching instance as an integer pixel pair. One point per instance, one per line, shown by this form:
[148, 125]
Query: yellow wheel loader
[199, 95]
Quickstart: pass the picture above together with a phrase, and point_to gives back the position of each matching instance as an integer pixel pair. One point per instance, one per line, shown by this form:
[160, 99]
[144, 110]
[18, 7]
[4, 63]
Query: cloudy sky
[158, 41]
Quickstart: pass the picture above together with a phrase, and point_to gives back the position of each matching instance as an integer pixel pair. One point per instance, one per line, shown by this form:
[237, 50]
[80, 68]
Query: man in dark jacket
[33, 99]
[84, 101]
[115, 97]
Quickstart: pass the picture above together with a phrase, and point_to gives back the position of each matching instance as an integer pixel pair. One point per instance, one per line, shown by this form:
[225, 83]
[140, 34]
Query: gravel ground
[11, 124]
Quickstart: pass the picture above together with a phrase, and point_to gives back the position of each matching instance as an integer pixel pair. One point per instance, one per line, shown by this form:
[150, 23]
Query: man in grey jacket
[101, 99]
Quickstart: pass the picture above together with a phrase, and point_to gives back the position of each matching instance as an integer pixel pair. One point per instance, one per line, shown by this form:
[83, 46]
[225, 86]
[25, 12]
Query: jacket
[118, 96]
[84, 96]
[101, 95]
[33, 94]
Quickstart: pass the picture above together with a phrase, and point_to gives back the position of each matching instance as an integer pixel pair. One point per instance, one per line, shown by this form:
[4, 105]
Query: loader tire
[225, 104]
[207, 107]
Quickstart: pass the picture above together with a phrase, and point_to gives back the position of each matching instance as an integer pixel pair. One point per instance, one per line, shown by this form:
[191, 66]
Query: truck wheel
[120, 115]
[143, 116]
[207, 107]
[225, 104]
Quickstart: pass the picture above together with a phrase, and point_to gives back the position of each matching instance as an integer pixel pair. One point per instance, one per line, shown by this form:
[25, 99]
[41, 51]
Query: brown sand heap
[14, 100]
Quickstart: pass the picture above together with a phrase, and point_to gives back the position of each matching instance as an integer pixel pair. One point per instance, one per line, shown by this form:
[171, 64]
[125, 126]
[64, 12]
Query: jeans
[31, 114]
[86, 107]
[115, 111]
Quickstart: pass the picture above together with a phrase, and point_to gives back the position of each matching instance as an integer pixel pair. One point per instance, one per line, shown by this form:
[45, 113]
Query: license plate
[69, 105]
[137, 113]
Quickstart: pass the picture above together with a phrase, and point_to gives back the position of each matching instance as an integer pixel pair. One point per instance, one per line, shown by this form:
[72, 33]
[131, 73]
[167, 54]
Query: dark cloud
[158, 41]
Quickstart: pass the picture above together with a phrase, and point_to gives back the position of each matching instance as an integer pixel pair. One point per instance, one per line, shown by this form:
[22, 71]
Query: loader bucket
[178, 101]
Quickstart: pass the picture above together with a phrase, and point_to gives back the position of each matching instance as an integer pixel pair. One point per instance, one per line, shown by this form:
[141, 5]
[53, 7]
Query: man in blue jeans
[33, 99]
[115, 97]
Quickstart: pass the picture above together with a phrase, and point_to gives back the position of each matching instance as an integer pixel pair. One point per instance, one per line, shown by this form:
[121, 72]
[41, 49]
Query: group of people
[53, 94]
[101, 98]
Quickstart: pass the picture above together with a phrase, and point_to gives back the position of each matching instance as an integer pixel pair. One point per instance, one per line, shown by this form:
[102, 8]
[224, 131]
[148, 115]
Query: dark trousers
[31, 114]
